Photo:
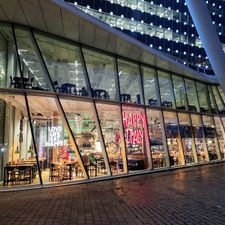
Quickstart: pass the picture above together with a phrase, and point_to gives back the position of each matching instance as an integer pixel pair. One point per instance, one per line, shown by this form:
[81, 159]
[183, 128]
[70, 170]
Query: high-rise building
[165, 25]
[81, 100]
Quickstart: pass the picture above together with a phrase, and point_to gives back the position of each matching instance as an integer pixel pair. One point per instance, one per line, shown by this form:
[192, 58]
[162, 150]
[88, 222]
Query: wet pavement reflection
[188, 196]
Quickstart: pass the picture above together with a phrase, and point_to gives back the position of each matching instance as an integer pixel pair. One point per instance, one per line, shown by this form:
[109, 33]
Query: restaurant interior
[69, 113]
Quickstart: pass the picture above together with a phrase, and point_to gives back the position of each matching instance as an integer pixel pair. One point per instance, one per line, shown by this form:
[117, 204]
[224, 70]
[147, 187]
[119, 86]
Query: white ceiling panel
[52, 17]
[163, 64]
[189, 74]
[177, 69]
[71, 25]
[125, 48]
[113, 44]
[160, 62]
[147, 58]
[33, 11]
[101, 38]
[87, 32]
[135, 53]
[13, 11]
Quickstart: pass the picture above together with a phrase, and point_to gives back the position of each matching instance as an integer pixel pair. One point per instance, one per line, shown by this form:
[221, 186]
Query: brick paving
[188, 196]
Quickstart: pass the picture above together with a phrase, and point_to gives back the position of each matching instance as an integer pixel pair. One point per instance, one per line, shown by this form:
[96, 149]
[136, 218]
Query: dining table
[16, 173]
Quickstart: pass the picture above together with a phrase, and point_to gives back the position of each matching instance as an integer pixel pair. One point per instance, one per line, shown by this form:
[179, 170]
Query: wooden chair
[54, 174]
[25, 174]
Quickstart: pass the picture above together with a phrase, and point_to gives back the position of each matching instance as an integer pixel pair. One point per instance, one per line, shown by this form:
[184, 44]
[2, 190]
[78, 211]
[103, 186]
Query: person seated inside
[84, 91]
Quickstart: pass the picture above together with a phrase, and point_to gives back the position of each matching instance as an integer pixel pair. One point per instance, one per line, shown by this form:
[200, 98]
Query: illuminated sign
[134, 124]
[55, 136]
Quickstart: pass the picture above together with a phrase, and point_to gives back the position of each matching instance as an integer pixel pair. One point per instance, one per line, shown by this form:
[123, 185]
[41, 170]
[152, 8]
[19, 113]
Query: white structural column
[209, 37]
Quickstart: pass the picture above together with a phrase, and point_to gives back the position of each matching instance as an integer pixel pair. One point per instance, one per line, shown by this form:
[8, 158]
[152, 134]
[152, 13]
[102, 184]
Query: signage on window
[55, 136]
[134, 124]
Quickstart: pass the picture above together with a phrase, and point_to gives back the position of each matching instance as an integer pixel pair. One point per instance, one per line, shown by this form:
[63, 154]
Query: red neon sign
[134, 124]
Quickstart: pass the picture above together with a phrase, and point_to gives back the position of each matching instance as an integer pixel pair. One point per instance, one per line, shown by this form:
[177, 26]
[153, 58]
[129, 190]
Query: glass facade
[175, 148]
[199, 138]
[136, 137]
[65, 66]
[19, 163]
[34, 75]
[157, 139]
[70, 113]
[179, 92]
[55, 149]
[212, 101]
[165, 25]
[192, 97]
[220, 135]
[150, 85]
[166, 90]
[9, 64]
[203, 97]
[219, 100]
[130, 82]
[112, 130]
[211, 137]
[102, 74]
[186, 134]
[82, 121]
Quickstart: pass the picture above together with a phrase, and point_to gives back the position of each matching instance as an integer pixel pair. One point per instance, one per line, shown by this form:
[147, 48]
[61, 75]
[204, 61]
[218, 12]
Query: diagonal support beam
[209, 37]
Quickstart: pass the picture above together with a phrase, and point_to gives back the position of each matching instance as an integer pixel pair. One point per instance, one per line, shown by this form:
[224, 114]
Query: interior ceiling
[17, 101]
[57, 50]
[45, 107]
[60, 18]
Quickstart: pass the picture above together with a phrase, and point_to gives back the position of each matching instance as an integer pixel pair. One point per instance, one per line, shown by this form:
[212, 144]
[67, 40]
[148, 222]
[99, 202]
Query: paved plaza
[188, 196]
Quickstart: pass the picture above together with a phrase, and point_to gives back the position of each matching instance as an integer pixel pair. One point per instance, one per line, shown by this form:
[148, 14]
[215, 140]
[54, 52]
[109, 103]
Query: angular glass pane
[82, 121]
[18, 165]
[157, 138]
[109, 116]
[102, 74]
[150, 87]
[200, 143]
[3, 58]
[9, 66]
[135, 131]
[193, 105]
[34, 76]
[173, 139]
[212, 100]
[219, 102]
[54, 145]
[203, 97]
[130, 82]
[166, 90]
[187, 138]
[222, 94]
[210, 135]
[220, 135]
[223, 122]
[180, 93]
[64, 64]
